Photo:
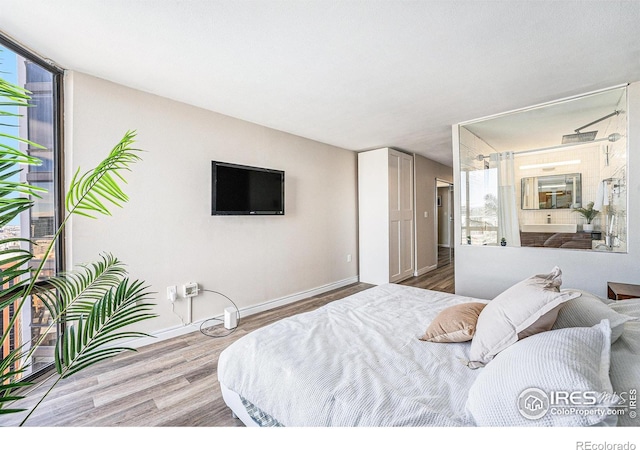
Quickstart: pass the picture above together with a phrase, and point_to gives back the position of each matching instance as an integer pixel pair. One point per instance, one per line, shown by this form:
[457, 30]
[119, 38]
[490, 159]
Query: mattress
[358, 362]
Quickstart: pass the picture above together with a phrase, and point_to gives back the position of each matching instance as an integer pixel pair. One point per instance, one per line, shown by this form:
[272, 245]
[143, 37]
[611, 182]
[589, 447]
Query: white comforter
[625, 359]
[355, 362]
[359, 362]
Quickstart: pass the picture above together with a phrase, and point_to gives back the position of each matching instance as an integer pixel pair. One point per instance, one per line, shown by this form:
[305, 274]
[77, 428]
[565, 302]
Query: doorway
[444, 223]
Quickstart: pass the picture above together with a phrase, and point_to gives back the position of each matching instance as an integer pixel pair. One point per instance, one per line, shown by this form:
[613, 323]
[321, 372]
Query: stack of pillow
[569, 333]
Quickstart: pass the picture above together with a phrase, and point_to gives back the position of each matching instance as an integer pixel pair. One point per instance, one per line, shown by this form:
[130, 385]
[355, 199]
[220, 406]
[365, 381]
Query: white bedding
[625, 358]
[355, 362]
[359, 362]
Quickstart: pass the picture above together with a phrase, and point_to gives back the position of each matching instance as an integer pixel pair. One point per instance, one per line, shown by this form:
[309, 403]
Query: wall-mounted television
[238, 190]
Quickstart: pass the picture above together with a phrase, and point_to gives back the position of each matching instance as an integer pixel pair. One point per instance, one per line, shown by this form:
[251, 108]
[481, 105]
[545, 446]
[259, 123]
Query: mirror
[552, 191]
[523, 173]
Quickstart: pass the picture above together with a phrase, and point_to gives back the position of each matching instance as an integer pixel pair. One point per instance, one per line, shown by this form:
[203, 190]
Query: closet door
[401, 236]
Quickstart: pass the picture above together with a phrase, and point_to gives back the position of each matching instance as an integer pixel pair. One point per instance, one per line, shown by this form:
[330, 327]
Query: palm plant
[97, 303]
[587, 212]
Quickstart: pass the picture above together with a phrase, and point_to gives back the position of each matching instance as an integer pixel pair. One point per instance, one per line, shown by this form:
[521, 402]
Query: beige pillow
[454, 324]
[527, 308]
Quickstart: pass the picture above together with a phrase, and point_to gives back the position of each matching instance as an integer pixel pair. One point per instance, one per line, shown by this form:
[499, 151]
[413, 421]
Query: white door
[401, 236]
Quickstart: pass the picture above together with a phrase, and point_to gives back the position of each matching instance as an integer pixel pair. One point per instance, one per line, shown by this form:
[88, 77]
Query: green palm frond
[587, 212]
[97, 303]
[88, 341]
[75, 292]
[14, 96]
[11, 208]
[14, 262]
[14, 280]
[14, 195]
[8, 383]
[8, 175]
[17, 96]
[12, 257]
[12, 201]
[89, 193]
[12, 151]
[11, 295]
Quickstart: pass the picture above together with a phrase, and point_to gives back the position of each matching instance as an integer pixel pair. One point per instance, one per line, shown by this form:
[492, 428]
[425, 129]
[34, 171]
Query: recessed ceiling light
[551, 164]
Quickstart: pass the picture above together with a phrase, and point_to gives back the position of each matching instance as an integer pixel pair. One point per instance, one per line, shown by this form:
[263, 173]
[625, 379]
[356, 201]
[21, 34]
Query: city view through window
[36, 124]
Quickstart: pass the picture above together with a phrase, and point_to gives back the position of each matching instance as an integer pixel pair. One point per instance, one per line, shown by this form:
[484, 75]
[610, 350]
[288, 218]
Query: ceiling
[544, 126]
[355, 74]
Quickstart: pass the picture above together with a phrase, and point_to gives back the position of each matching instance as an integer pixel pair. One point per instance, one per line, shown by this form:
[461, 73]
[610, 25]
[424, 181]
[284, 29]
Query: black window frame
[58, 161]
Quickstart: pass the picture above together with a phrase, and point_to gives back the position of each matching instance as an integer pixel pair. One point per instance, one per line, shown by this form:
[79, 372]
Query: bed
[362, 361]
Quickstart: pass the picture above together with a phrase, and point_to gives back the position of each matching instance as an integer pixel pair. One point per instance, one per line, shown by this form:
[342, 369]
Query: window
[552, 176]
[40, 123]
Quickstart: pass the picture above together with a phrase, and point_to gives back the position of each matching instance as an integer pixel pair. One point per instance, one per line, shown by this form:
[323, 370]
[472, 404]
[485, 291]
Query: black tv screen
[242, 190]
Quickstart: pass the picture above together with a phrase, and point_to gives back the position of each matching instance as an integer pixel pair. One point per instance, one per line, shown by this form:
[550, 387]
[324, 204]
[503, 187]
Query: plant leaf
[76, 291]
[87, 341]
[90, 193]
[8, 383]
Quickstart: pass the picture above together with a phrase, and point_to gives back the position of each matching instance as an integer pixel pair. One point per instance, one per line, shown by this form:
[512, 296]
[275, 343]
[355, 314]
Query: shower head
[589, 135]
[579, 137]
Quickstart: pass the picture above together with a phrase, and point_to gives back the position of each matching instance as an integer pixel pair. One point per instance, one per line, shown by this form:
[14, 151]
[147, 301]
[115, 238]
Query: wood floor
[174, 382]
[440, 279]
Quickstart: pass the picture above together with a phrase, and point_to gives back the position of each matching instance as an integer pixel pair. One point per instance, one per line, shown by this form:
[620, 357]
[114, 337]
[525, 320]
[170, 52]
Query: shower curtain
[508, 227]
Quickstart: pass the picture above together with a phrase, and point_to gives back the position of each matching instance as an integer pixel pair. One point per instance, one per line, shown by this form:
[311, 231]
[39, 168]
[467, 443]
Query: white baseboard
[169, 333]
[295, 297]
[424, 270]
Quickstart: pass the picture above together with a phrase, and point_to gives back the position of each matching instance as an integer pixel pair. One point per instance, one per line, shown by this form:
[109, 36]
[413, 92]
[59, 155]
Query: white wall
[486, 271]
[166, 233]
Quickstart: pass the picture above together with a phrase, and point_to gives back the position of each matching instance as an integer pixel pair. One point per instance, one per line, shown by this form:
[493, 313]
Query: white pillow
[519, 387]
[589, 310]
[527, 308]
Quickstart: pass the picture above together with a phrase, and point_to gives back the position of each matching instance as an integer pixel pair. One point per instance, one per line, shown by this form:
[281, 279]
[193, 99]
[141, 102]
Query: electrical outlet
[190, 290]
[172, 293]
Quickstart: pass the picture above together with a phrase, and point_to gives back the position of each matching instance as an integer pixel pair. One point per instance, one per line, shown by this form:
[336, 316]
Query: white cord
[173, 310]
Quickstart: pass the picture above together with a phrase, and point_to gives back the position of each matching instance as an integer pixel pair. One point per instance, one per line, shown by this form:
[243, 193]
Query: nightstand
[622, 291]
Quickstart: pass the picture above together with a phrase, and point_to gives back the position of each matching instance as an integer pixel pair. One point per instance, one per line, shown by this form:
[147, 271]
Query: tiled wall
[470, 147]
[599, 161]
[589, 168]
